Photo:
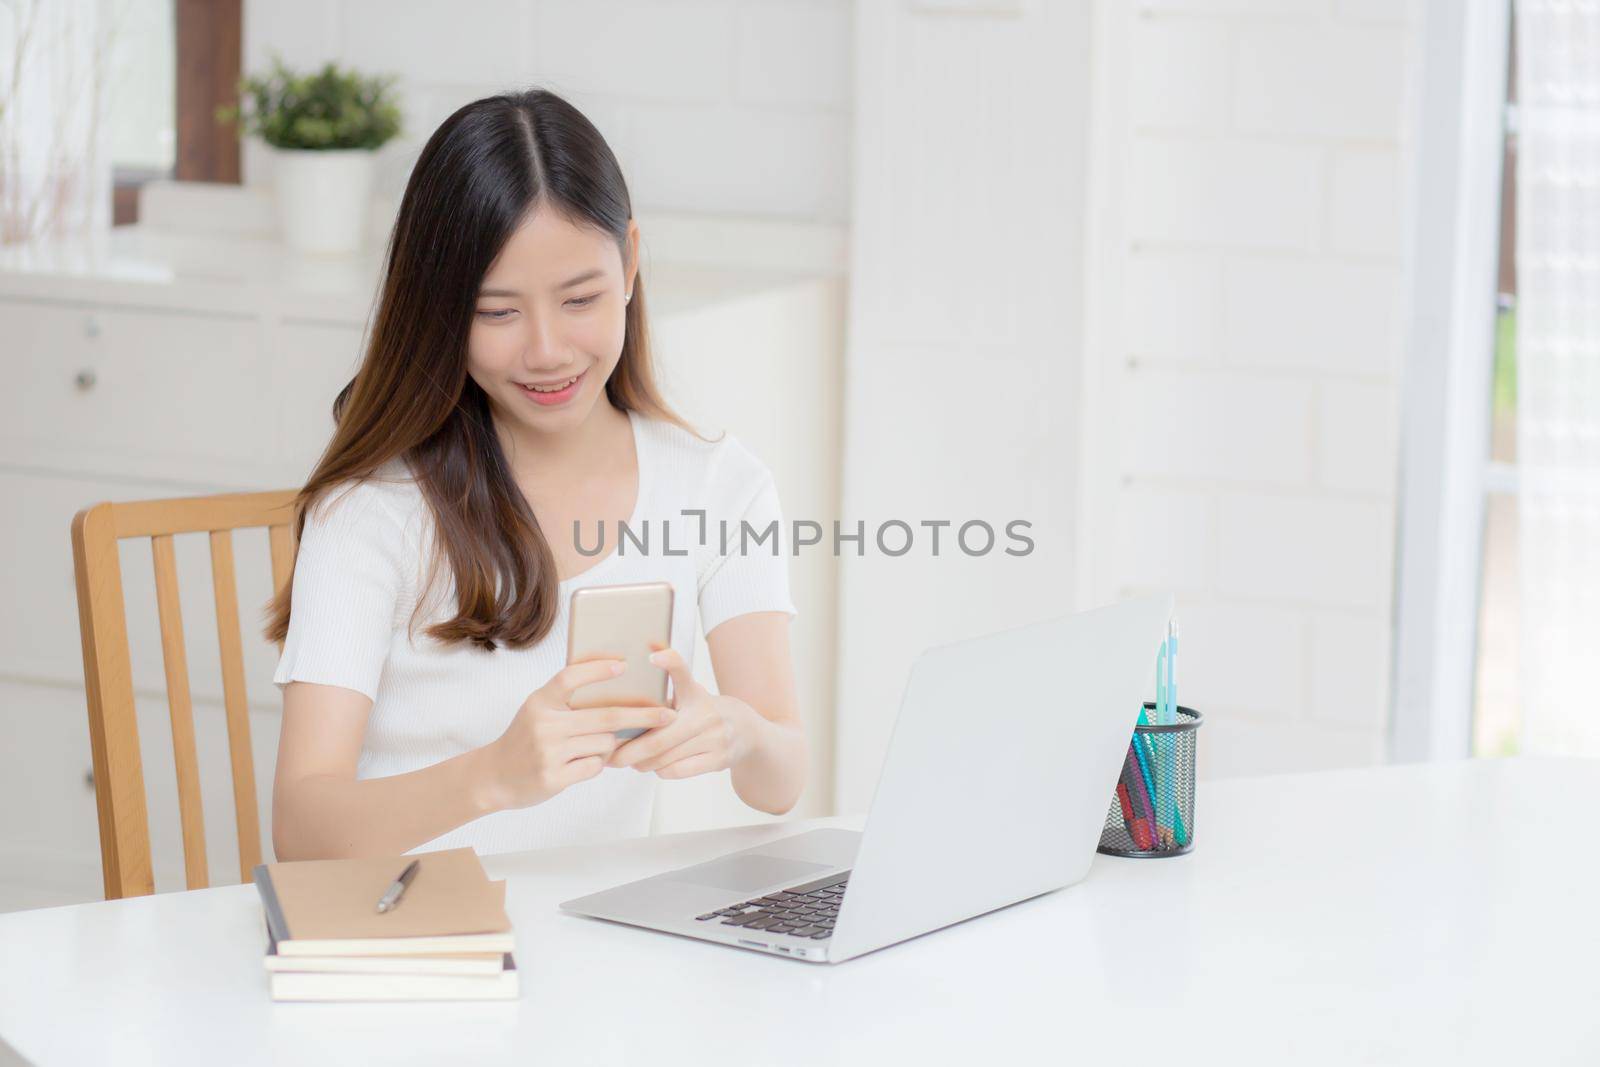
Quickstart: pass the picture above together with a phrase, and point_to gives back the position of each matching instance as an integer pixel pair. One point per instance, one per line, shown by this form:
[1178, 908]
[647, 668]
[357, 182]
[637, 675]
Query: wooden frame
[108, 678]
[207, 54]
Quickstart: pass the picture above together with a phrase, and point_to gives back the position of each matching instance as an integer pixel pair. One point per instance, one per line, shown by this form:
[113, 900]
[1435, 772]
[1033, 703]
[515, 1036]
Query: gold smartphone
[621, 622]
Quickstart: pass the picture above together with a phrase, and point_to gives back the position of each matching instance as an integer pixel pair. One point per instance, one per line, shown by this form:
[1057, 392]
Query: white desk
[1419, 914]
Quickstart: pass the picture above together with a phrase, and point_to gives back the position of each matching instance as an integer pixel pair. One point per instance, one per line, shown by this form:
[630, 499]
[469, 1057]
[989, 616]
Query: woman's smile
[558, 391]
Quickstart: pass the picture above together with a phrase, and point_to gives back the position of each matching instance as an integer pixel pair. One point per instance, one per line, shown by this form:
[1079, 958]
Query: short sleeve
[348, 578]
[752, 572]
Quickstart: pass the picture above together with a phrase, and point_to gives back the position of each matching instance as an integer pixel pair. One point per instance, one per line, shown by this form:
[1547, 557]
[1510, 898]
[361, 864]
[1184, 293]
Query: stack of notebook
[447, 938]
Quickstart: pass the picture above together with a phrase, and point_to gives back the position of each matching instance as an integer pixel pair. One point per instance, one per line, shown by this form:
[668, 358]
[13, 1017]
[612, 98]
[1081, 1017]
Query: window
[1457, 231]
[141, 115]
[1497, 716]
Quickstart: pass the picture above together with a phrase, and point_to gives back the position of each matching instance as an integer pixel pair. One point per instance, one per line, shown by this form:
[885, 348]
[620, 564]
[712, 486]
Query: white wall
[1246, 296]
[962, 358]
[711, 106]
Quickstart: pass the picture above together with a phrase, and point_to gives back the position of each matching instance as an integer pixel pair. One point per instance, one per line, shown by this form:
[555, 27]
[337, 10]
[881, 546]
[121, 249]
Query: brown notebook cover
[333, 903]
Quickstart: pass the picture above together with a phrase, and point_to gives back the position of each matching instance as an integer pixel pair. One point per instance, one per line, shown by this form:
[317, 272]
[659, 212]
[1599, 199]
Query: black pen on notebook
[392, 897]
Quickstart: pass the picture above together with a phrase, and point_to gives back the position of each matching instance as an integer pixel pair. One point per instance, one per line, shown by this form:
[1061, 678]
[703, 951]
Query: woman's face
[550, 315]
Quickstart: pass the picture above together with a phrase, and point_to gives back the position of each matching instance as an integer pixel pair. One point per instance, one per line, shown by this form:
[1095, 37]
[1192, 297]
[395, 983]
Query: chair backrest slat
[180, 710]
[113, 725]
[233, 698]
[108, 677]
[280, 540]
[203, 514]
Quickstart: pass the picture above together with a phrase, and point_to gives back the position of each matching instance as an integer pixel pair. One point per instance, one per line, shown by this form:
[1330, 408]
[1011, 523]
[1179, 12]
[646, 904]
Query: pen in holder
[1152, 813]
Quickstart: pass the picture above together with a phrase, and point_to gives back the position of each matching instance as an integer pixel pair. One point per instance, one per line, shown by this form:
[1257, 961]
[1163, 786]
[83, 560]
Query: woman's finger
[692, 747]
[683, 683]
[589, 745]
[704, 763]
[608, 720]
[575, 676]
[653, 743]
[582, 769]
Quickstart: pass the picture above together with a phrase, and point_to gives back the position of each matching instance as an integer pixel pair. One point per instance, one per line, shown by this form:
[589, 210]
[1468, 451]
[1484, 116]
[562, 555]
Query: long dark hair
[480, 174]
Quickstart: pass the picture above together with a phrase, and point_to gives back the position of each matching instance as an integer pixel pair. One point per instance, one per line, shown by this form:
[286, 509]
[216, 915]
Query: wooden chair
[108, 678]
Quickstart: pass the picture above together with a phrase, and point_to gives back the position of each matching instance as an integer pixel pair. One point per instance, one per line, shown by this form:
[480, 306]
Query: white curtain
[1558, 371]
[55, 174]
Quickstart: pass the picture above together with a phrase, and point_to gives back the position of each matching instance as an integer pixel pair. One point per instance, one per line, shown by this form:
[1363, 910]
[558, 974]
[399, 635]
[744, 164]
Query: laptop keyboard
[806, 911]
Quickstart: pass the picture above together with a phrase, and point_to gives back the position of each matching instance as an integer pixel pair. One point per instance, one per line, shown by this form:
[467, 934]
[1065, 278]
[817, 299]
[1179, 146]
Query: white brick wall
[962, 368]
[1317, 79]
[1250, 237]
[1223, 192]
[715, 106]
[1322, 314]
[1363, 212]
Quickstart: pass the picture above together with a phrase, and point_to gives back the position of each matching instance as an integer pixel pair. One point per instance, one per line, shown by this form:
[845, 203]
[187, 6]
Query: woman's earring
[627, 298]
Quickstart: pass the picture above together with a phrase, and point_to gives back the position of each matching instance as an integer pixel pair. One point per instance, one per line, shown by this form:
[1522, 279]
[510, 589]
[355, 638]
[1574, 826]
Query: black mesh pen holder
[1152, 811]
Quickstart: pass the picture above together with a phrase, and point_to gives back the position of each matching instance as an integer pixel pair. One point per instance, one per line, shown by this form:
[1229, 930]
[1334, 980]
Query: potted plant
[323, 129]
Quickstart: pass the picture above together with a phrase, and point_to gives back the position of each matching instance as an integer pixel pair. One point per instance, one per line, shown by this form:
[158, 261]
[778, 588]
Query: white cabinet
[51, 844]
[308, 363]
[96, 381]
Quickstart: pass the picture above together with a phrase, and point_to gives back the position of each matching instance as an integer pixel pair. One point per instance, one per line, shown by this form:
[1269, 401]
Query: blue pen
[1172, 719]
[1163, 744]
[1147, 755]
[1161, 685]
[1145, 750]
[1169, 717]
[1172, 672]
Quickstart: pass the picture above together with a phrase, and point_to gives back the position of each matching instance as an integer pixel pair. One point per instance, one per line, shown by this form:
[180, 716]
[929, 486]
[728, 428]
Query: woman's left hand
[711, 732]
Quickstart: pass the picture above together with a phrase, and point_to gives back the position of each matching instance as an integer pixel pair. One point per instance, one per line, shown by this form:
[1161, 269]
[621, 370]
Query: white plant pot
[323, 198]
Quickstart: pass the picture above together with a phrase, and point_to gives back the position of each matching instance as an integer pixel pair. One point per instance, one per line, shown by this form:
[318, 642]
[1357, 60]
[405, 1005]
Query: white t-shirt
[361, 566]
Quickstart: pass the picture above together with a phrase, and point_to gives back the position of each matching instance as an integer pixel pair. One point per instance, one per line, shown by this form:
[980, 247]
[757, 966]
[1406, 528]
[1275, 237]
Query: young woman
[505, 419]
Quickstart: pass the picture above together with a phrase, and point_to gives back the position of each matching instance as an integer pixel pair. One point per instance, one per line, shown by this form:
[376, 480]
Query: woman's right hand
[549, 745]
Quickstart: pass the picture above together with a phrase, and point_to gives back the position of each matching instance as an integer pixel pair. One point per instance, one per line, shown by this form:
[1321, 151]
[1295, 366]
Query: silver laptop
[999, 771]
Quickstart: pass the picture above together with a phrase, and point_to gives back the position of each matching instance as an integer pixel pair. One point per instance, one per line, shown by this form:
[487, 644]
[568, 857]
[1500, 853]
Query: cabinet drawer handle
[85, 380]
[91, 326]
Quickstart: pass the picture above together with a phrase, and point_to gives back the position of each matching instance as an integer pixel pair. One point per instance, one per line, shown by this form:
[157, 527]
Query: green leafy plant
[330, 109]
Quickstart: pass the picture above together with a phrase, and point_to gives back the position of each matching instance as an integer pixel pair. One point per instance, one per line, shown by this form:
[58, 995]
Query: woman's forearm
[772, 777]
[325, 817]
